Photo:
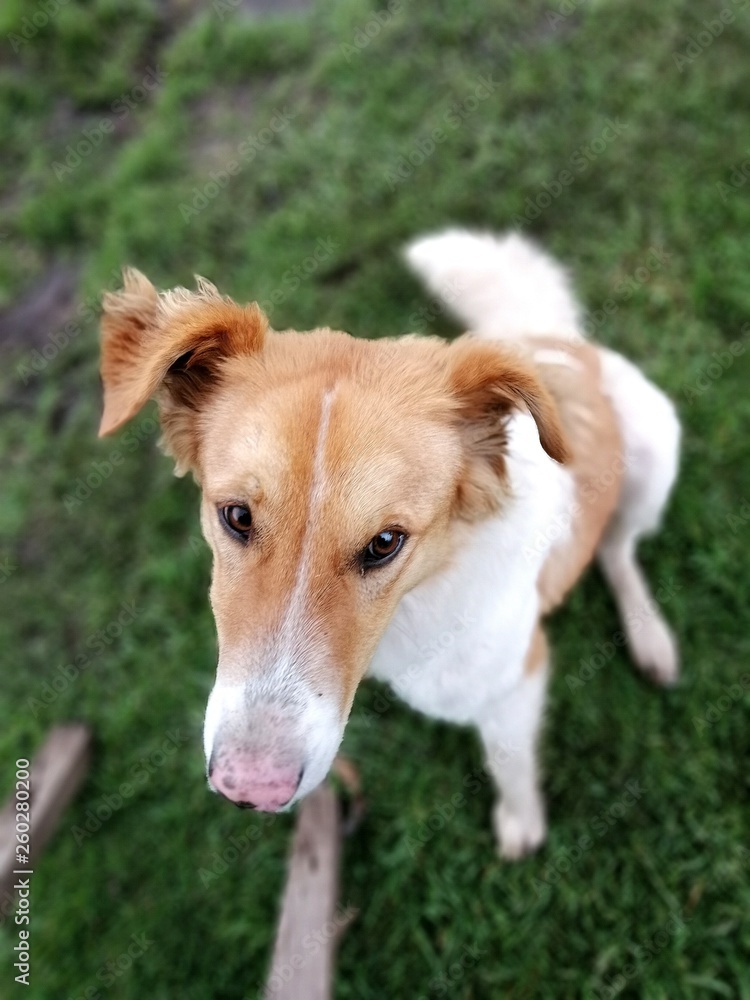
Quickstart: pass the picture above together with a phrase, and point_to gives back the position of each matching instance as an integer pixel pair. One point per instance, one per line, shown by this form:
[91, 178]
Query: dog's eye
[382, 548]
[238, 519]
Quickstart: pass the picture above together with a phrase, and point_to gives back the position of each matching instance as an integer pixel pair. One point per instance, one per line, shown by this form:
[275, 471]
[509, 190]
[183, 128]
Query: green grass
[661, 888]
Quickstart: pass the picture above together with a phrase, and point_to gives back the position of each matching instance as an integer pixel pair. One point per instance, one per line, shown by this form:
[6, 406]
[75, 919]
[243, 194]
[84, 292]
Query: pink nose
[252, 783]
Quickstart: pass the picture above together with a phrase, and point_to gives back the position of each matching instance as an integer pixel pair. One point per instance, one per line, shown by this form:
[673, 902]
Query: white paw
[519, 833]
[654, 650]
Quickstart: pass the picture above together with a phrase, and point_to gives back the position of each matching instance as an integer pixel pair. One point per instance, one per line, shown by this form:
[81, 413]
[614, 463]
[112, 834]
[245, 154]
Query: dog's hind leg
[651, 438]
[509, 732]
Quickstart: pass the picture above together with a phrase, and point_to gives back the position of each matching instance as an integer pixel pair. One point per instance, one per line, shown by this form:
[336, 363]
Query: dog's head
[334, 473]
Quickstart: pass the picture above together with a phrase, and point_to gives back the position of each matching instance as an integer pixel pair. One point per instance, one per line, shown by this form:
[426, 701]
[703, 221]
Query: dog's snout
[265, 750]
[254, 782]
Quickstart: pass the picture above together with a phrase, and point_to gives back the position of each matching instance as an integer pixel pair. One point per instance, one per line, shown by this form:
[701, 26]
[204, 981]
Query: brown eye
[238, 519]
[382, 548]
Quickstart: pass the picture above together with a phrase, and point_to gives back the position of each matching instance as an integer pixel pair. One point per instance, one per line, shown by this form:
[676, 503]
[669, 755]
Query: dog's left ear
[489, 382]
[169, 345]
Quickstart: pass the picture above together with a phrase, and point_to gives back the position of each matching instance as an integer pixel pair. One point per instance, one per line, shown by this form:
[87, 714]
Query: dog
[363, 497]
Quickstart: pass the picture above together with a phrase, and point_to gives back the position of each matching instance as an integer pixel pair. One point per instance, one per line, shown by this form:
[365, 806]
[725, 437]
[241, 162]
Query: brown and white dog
[366, 499]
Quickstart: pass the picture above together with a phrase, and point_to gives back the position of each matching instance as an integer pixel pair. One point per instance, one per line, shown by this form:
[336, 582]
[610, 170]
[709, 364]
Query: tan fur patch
[538, 652]
[571, 373]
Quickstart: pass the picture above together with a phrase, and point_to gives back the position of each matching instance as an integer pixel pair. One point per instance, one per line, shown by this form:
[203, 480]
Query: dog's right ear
[170, 345]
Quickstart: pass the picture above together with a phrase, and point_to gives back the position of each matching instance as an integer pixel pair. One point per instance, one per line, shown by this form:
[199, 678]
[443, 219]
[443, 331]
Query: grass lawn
[616, 133]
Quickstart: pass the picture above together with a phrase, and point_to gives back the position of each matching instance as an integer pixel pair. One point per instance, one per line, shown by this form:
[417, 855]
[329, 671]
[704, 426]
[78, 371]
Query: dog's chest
[447, 655]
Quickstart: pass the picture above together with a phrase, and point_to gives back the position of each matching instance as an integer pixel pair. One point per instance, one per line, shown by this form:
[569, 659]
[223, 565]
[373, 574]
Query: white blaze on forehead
[292, 624]
[311, 721]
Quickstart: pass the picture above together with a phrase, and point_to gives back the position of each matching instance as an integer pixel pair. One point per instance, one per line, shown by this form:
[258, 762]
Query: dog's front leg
[509, 732]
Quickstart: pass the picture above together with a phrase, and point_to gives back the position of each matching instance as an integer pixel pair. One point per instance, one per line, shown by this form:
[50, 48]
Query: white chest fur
[458, 640]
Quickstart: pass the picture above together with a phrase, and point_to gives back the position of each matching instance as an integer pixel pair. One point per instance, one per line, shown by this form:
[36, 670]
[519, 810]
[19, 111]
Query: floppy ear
[488, 383]
[169, 344]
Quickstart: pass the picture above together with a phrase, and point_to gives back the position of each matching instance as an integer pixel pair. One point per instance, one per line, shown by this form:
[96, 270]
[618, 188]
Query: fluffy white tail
[498, 286]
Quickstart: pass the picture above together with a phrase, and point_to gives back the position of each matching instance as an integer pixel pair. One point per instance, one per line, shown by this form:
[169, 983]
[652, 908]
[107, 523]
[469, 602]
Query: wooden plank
[56, 773]
[309, 925]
